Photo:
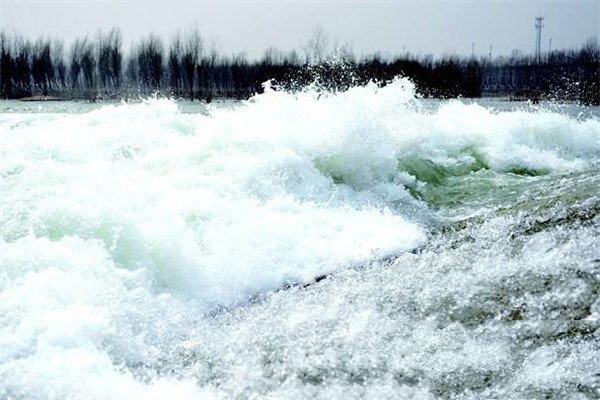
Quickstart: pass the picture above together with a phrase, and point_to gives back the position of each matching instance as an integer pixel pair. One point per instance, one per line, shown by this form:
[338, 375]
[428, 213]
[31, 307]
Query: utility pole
[539, 24]
[549, 46]
[473, 50]
[490, 55]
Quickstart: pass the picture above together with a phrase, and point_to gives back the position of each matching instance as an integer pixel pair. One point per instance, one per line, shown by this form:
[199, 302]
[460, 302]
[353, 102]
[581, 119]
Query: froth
[282, 188]
[123, 225]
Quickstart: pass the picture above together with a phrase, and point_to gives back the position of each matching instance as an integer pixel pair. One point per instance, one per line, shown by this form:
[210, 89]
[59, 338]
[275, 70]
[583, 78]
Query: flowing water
[159, 250]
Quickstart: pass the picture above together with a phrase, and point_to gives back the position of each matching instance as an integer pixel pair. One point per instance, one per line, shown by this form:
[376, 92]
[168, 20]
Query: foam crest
[225, 206]
[213, 211]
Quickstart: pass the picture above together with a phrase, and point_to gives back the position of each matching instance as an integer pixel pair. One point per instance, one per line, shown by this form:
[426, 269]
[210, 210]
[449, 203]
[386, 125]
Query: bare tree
[75, 63]
[110, 60]
[21, 63]
[60, 68]
[272, 56]
[316, 48]
[150, 62]
[207, 70]
[41, 66]
[6, 70]
[88, 65]
[174, 64]
[192, 52]
[116, 57]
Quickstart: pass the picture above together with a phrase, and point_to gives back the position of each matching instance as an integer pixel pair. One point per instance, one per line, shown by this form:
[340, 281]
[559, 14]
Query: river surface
[364, 244]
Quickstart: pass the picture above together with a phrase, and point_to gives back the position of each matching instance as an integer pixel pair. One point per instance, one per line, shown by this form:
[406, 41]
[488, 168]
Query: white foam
[122, 225]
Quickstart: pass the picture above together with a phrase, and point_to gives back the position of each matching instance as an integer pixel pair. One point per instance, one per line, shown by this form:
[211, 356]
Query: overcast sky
[436, 27]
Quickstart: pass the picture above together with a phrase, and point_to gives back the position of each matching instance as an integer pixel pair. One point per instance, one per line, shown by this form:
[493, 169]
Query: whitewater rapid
[144, 249]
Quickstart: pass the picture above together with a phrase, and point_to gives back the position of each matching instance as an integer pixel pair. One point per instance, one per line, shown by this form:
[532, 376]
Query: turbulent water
[152, 251]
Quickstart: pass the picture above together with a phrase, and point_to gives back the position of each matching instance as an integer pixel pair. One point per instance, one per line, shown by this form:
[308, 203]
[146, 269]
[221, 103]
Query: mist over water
[153, 252]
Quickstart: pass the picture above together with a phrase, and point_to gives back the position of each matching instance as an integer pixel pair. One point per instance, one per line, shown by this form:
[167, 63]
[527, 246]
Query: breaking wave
[124, 228]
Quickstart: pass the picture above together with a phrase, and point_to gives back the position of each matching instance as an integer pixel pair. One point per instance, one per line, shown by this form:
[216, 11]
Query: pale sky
[391, 27]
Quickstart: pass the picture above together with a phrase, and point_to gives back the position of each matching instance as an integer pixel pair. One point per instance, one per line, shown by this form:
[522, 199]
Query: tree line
[560, 74]
[189, 67]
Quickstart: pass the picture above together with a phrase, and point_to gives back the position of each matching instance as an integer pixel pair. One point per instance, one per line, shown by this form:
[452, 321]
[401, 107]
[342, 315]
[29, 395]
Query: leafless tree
[317, 47]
